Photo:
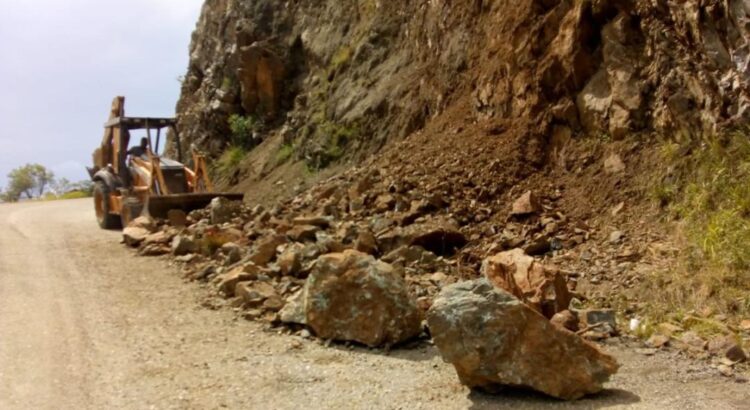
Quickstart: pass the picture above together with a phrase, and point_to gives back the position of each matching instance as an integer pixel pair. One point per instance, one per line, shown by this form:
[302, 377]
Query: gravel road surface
[84, 324]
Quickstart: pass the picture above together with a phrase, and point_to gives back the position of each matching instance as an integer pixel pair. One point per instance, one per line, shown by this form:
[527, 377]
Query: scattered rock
[183, 245]
[691, 341]
[725, 370]
[366, 243]
[657, 341]
[177, 218]
[154, 249]
[439, 236]
[160, 238]
[134, 236]
[544, 290]
[613, 164]
[290, 260]
[222, 210]
[143, 222]
[351, 296]
[319, 221]
[726, 346]
[615, 237]
[527, 204]
[255, 294]
[294, 310]
[491, 338]
[600, 320]
[303, 233]
[264, 250]
[227, 282]
[565, 320]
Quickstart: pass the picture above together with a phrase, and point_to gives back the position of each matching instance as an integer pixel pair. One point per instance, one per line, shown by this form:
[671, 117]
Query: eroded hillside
[444, 112]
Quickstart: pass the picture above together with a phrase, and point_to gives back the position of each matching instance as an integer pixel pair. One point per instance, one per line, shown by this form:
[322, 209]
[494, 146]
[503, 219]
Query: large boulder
[493, 339]
[543, 288]
[351, 296]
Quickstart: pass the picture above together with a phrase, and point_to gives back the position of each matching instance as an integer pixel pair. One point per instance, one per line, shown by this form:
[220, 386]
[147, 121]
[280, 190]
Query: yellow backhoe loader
[129, 182]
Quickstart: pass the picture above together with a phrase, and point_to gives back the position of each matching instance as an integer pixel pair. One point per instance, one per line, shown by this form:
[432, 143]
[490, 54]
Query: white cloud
[64, 61]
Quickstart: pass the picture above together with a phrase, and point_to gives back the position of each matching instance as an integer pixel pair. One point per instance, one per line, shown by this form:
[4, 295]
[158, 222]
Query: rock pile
[353, 265]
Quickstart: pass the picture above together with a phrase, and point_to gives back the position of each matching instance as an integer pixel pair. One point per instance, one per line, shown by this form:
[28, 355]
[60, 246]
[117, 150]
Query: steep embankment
[468, 105]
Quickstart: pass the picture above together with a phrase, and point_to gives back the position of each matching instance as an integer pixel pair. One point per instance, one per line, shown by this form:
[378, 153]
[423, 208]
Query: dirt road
[85, 324]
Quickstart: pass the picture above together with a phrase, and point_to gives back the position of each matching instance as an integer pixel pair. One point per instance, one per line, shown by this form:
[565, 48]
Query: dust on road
[85, 324]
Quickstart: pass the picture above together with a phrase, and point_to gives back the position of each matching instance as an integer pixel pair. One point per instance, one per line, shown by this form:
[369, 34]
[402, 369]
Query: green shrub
[230, 160]
[285, 152]
[242, 128]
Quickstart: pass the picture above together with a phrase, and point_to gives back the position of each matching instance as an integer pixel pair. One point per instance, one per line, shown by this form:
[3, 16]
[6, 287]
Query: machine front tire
[105, 219]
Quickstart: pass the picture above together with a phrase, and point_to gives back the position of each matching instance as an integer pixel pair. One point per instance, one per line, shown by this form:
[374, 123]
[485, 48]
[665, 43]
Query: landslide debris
[492, 339]
[518, 136]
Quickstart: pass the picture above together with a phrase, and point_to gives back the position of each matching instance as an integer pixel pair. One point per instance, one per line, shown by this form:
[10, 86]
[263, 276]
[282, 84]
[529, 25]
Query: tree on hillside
[28, 180]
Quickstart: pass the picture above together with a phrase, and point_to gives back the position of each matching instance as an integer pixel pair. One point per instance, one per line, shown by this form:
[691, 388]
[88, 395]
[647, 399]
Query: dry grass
[707, 192]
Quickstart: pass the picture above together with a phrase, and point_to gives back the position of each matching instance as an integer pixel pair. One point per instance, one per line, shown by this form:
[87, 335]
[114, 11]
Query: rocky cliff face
[347, 77]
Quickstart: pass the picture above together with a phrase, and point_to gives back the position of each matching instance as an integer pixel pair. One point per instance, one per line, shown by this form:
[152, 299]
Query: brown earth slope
[444, 109]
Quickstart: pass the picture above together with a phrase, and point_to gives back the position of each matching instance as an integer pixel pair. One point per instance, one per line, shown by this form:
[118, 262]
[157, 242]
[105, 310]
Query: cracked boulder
[494, 340]
[544, 289]
[351, 296]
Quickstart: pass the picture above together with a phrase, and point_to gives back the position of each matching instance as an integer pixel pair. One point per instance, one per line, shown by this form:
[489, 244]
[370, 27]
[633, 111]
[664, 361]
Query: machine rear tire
[105, 219]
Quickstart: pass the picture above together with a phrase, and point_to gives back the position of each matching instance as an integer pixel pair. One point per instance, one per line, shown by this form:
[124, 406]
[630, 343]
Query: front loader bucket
[159, 206]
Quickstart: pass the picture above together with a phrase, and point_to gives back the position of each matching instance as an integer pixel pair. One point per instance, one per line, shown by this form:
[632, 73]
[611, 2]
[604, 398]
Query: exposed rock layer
[353, 74]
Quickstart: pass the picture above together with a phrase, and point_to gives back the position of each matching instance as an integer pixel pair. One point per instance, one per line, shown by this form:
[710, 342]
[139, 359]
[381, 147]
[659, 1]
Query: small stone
[691, 341]
[264, 250]
[736, 354]
[256, 293]
[290, 260]
[134, 236]
[143, 222]
[274, 303]
[613, 164]
[227, 282]
[527, 204]
[745, 325]
[293, 311]
[303, 233]
[183, 245]
[222, 210]
[177, 218]
[565, 320]
[725, 370]
[319, 221]
[668, 329]
[657, 341]
[615, 237]
[366, 243]
[604, 318]
[618, 208]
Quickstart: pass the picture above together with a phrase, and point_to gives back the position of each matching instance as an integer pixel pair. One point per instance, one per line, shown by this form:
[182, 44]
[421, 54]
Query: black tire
[105, 219]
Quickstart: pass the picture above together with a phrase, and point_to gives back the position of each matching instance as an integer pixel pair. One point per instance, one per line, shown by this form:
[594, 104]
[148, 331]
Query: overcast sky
[63, 61]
